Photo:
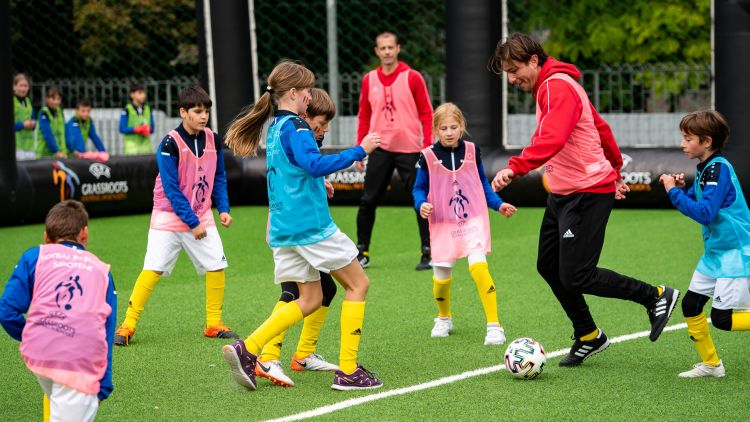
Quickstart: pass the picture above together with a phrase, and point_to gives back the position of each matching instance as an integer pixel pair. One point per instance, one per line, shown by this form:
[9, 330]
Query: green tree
[591, 33]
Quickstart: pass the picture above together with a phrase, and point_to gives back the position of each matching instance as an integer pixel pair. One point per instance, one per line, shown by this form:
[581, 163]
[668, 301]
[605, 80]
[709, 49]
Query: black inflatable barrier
[124, 185]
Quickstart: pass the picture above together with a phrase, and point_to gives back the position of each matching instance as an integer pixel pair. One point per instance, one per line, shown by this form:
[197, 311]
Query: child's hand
[225, 218]
[668, 181]
[507, 209]
[370, 142]
[360, 165]
[329, 189]
[426, 210]
[60, 154]
[199, 231]
[29, 124]
[679, 180]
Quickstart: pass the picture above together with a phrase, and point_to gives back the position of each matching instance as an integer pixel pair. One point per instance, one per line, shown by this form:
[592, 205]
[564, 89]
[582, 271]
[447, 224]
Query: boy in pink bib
[191, 178]
[453, 193]
[70, 303]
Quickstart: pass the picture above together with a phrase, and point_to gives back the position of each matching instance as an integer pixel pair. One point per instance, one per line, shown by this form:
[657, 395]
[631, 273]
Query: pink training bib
[196, 178]
[65, 337]
[581, 163]
[394, 114]
[459, 223]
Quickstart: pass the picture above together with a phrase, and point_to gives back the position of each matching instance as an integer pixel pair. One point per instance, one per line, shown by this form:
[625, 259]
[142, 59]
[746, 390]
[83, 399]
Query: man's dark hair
[517, 47]
[387, 34]
[194, 96]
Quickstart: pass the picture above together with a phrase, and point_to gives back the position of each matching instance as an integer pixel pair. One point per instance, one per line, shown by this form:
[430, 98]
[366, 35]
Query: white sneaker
[495, 336]
[704, 370]
[272, 370]
[443, 327]
[314, 362]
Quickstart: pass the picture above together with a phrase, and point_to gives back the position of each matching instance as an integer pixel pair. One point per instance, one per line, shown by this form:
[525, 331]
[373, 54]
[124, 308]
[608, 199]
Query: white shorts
[304, 263]
[727, 293]
[443, 270]
[67, 404]
[164, 248]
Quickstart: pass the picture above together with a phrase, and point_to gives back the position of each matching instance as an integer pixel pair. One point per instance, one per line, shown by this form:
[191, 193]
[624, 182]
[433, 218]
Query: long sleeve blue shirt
[718, 192]
[302, 150]
[74, 138]
[45, 127]
[16, 300]
[168, 160]
[450, 157]
[124, 128]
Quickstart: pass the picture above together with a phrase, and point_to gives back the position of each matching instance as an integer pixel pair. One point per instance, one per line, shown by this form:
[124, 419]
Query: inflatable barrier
[124, 185]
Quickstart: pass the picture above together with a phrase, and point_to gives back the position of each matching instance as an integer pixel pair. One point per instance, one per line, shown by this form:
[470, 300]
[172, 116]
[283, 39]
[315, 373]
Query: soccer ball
[525, 358]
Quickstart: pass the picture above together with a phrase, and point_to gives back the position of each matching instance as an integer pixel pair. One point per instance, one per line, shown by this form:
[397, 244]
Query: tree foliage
[591, 33]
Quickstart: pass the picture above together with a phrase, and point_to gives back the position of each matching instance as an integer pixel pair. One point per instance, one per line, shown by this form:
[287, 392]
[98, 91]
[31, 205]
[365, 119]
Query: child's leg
[310, 297]
[731, 307]
[485, 286]
[441, 287]
[272, 349]
[215, 281]
[308, 339]
[692, 310]
[66, 403]
[352, 277]
[142, 290]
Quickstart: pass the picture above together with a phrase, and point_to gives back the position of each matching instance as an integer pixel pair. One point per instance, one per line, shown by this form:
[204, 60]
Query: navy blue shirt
[302, 150]
[718, 192]
[74, 138]
[16, 300]
[168, 159]
[451, 158]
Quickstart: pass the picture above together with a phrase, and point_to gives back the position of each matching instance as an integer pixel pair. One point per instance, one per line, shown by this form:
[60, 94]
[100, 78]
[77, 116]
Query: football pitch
[171, 372]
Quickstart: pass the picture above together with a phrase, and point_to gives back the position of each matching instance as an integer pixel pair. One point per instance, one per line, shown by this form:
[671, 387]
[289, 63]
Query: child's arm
[219, 194]
[71, 137]
[17, 296]
[421, 183]
[718, 186]
[105, 384]
[95, 139]
[124, 128]
[307, 155]
[167, 159]
[493, 199]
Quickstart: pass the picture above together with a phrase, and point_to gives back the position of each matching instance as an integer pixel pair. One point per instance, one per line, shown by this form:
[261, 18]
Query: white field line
[323, 410]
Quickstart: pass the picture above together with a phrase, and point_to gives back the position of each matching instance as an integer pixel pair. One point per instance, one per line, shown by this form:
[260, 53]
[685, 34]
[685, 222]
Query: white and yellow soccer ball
[525, 358]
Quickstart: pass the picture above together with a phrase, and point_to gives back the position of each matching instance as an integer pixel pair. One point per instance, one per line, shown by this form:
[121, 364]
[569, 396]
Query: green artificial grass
[171, 372]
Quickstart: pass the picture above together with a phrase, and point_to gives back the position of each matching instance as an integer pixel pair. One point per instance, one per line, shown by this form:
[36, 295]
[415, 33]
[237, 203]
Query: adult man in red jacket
[582, 165]
[395, 104]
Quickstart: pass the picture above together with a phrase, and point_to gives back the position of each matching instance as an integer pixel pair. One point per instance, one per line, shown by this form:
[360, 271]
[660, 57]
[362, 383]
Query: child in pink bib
[453, 193]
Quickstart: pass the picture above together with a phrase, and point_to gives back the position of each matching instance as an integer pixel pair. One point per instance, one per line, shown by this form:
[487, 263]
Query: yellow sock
[697, 328]
[214, 297]
[308, 339]
[352, 317]
[142, 290]
[279, 321]
[46, 409]
[272, 349]
[590, 336]
[486, 288]
[441, 291]
[740, 321]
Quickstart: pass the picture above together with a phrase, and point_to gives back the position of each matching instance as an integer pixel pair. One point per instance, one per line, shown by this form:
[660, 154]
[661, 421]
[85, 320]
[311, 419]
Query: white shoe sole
[235, 367]
[345, 388]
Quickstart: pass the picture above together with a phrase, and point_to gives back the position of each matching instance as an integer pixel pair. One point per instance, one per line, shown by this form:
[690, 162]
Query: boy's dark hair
[387, 34]
[194, 96]
[320, 104]
[53, 91]
[517, 47]
[707, 123]
[65, 221]
[82, 102]
[137, 87]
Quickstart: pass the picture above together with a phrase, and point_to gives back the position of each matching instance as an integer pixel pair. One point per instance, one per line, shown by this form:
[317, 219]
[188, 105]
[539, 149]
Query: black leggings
[290, 291]
[692, 306]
